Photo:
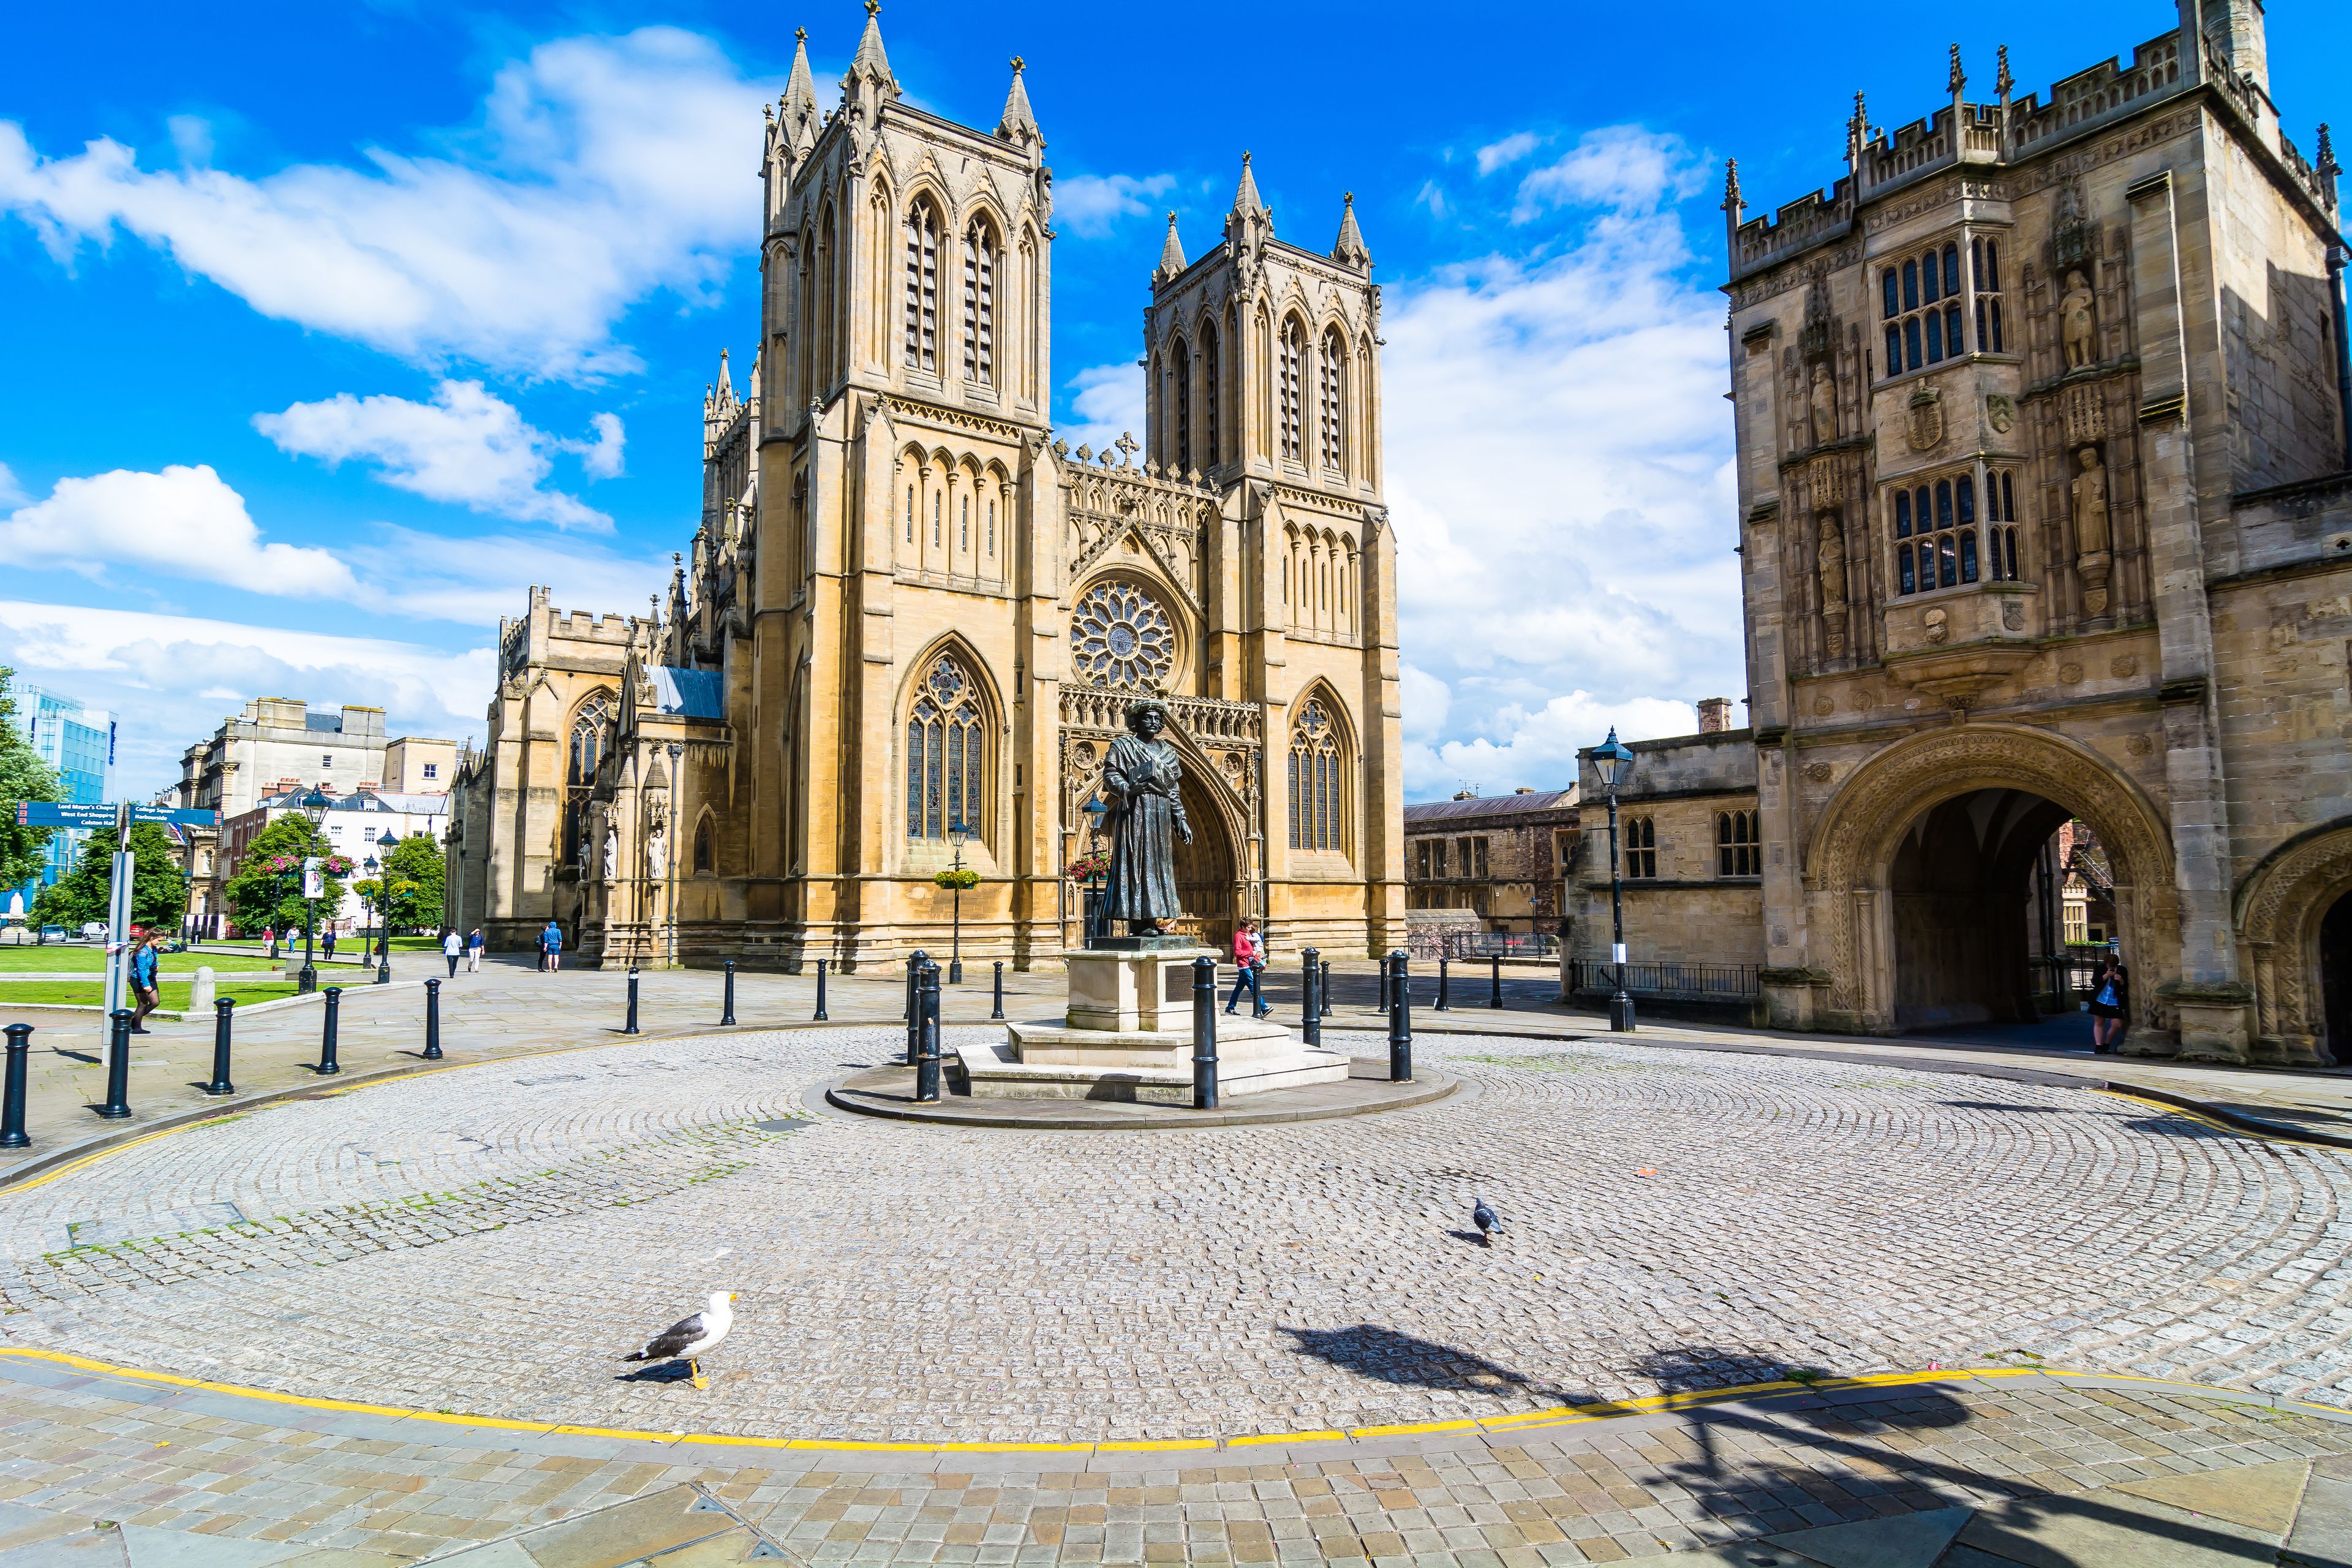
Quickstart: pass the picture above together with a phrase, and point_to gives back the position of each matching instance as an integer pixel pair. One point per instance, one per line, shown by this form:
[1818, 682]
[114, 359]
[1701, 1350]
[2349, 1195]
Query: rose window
[1120, 637]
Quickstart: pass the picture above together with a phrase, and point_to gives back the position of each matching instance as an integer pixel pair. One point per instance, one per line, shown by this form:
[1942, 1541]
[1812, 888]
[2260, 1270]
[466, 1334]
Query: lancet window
[980, 264]
[1182, 375]
[947, 754]
[1984, 274]
[1317, 781]
[923, 287]
[2001, 526]
[1919, 298]
[1330, 373]
[1211, 393]
[590, 725]
[1293, 349]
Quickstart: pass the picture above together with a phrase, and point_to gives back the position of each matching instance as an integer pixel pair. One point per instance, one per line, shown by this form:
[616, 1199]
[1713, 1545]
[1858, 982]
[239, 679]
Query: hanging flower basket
[1087, 868]
[952, 881]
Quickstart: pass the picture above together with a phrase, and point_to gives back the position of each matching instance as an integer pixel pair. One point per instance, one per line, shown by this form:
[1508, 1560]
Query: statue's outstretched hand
[1185, 830]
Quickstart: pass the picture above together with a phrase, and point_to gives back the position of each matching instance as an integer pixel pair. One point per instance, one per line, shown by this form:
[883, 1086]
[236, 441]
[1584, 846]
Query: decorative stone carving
[2070, 674]
[1923, 418]
[2083, 414]
[1823, 707]
[1120, 636]
[2000, 412]
[2013, 615]
[2078, 326]
[1820, 772]
[1824, 406]
[2092, 535]
[612, 863]
[2139, 745]
[2125, 667]
[1939, 624]
[657, 853]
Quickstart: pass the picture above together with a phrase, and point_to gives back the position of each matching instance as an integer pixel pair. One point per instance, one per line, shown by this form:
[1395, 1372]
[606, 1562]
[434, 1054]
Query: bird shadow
[659, 1372]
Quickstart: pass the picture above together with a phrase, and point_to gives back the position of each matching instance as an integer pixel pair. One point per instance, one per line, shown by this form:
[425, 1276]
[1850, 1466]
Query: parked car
[93, 931]
[53, 933]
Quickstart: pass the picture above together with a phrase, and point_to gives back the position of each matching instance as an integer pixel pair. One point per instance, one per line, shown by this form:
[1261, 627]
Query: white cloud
[1559, 471]
[1510, 150]
[472, 582]
[11, 492]
[1090, 204]
[466, 446]
[184, 521]
[603, 169]
[171, 678]
[1621, 166]
[1108, 404]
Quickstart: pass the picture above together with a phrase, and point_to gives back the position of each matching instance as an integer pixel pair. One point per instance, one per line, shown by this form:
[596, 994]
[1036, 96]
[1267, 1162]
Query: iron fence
[1433, 943]
[1683, 982]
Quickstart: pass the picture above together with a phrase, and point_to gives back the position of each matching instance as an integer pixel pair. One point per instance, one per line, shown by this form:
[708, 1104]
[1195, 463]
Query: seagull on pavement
[692, 1338]
[1488, 1221]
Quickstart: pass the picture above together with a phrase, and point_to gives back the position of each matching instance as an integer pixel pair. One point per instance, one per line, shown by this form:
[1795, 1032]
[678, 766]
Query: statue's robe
[1142, 778]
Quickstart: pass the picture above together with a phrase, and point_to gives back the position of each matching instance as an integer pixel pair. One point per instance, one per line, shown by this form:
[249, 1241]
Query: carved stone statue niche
[1829, 558]
[2078, 322]
[612, 865]
[1823, 398]
[2093, 531]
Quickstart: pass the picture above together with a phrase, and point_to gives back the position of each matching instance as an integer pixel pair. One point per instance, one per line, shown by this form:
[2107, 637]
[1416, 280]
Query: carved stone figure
[2091, 534]
[2076, 323]
[1829, 553]
[612, 862]
[657, 854]
[1824, 405]
[1143, 776]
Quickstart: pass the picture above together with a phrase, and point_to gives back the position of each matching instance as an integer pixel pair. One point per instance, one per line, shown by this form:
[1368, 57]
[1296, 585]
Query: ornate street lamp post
[383, 924]
[1612, 759]
[314, 807]
[957, 834]
[677, 788]
[1097, 809]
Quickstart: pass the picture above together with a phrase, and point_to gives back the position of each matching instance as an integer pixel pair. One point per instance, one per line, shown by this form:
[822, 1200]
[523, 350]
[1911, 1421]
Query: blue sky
[327, 330]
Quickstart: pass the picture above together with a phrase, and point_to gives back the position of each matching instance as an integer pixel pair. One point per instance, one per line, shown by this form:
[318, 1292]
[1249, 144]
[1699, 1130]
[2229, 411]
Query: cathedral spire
[1017, 124]
[871, 63]
[798, 106]
[1246, 194]
[1733, 207]
[1348, 250]
[1172, 255]
[1959, 79]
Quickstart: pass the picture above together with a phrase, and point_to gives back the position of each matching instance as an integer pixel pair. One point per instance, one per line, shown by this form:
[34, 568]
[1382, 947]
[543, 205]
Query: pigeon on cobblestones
[692, 1338]
[1488, 1221]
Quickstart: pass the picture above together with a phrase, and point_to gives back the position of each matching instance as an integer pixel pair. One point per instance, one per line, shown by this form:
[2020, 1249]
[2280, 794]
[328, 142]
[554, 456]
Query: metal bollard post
[1323, 992]
[915, 967]
[1445, 986]
[328, 1066]
[1399, 1020]
[224, 1021]
[820, 990]
[927, 1012]
[433, 1020]
[996, 1000]
[1204, 1034]
[12, 1105]
[631, 1027]
[1383, 1002]
[118, 1069]
[1494, 992]
[1310, 1000]
[729, 1015]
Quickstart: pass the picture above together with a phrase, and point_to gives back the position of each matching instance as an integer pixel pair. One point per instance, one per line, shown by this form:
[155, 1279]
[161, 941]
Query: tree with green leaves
[23, 776]
[159, 889]
[266, 888]
[412, 880]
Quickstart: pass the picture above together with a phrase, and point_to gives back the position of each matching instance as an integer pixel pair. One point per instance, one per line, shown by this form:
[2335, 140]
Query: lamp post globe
[1613, 760]
[957, 834]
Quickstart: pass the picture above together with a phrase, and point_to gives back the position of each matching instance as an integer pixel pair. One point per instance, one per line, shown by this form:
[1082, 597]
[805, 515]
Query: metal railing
[1430, 942]
[1687, 982]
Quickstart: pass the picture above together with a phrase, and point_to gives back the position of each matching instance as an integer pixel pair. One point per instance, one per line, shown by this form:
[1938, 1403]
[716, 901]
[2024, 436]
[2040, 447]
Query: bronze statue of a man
[1142, 777]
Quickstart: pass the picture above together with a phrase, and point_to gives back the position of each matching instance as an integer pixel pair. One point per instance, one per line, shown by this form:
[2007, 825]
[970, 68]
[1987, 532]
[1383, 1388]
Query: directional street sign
[60, 814]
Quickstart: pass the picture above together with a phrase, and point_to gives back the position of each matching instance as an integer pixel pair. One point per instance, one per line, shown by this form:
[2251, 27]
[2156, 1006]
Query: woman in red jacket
[1249, 959]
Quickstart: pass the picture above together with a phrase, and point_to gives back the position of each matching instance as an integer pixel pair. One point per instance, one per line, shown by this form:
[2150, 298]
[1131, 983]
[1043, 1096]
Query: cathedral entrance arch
[1205, 868]
[2295, 911]
[1918, 872]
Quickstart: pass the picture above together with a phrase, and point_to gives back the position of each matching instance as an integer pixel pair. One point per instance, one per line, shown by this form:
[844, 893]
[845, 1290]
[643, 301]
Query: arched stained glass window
[591, 730]
[1120, 636]
[1317, 781]
[947, 753]
[706, 849]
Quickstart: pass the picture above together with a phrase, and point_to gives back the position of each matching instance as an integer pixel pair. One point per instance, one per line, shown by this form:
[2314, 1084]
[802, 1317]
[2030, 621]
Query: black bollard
[728, 1017]
[927, 1014]
[12, 1104]
[1310, 1000]
[1383, 1002]
[1323, 991]
[996, 1000]
[820, 989]
[118, 1069]
[433, 1020]
[1204, 1034]
[631, 1027]
[223, 1020]
[328, 1066]
[1399, 1020]
[915, 967]
[1495, 990]
[1445, 986]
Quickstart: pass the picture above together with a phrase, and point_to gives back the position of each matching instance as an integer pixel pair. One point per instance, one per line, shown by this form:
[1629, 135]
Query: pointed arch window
[706, 849]
[1330, 368]
[1293, 349]
[947, 754]
[1182, 373]
[1210, 385]
[923, 286]
[979, 267]
[1317, 781]
[589, 738]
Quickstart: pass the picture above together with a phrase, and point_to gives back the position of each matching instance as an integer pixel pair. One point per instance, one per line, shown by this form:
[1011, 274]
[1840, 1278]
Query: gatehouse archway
[1917, 876]
[2294, 912]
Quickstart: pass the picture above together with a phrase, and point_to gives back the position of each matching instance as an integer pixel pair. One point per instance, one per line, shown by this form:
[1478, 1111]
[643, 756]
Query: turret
[1349, 251]
[1017, 124]
[1732, 205]
[867, 84]
[1172, 255]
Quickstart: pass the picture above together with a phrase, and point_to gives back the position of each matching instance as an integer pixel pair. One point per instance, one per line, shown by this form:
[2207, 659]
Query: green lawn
[90, 993]
[56, 960]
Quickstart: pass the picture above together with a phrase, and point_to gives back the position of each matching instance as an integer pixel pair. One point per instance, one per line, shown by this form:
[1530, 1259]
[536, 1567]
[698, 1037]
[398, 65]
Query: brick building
[1500, 856]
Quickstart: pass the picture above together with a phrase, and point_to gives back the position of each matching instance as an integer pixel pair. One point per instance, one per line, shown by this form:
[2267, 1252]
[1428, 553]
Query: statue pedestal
[1127, 1034]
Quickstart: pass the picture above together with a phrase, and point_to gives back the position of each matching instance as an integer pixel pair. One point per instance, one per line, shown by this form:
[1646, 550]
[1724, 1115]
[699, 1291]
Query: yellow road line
[1568, 1414]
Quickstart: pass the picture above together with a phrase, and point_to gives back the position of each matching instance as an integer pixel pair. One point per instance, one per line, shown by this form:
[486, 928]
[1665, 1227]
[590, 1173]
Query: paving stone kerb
[489, 1240]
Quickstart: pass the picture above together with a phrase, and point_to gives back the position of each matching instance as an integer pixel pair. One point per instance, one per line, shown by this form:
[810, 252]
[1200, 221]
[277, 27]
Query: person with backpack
[1249, 962]
[2110, 1006]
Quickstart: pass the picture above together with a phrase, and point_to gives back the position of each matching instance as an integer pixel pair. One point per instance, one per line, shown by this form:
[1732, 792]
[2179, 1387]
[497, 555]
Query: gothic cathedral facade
[912, 619]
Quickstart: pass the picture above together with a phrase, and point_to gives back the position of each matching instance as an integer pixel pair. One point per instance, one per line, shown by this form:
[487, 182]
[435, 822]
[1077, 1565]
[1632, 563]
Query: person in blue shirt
[143, 981]
[550, 944]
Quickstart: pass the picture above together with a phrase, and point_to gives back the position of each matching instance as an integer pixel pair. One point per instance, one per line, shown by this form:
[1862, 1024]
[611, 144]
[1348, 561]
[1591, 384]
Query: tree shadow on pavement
[1385, 1355]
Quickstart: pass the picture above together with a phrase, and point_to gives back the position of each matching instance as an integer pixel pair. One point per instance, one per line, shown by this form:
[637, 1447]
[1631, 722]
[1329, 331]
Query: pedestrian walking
[327, 943]
[143, 979]
[550, 942]
[2110, 1006]
[474, 952]
[270, 935]
[449, 949]
[1249, 963]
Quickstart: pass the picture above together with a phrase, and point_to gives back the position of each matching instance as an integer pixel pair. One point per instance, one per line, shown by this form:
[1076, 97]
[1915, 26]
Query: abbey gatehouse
[912, 618]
